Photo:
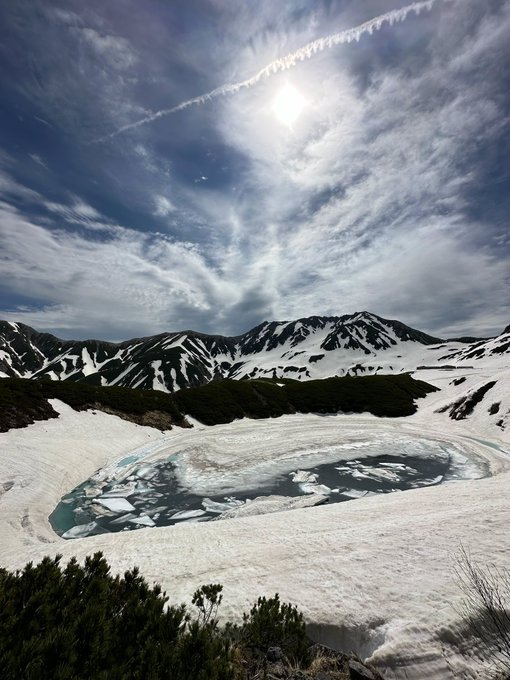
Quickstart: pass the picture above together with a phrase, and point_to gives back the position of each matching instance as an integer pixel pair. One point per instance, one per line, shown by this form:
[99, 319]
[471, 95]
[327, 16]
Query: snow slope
[375, 574]
[313, 347]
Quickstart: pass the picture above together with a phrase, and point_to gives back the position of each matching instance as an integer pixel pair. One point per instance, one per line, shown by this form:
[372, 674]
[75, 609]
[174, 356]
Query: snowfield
[374, 574]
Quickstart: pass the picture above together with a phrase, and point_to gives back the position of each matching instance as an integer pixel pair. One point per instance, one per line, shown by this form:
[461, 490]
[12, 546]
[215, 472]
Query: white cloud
[364, 175]
[289, 61]
[10, 188]
[117, 50]
[152, 282]
[362, 204]
[81, 213]
[163, 206]
[37, 159]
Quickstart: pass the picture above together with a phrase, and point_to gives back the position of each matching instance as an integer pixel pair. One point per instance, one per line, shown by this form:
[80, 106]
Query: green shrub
[79, 622]
[222, 401]
[207, 599]
[273, 623]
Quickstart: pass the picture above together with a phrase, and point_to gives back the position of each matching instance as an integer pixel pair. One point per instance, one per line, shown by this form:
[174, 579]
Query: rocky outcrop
[325, 664]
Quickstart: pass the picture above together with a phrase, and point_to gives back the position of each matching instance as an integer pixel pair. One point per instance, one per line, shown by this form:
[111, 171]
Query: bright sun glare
[288, 104]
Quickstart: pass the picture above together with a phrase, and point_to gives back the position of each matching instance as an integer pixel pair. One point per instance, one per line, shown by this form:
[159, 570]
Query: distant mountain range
[313, 347]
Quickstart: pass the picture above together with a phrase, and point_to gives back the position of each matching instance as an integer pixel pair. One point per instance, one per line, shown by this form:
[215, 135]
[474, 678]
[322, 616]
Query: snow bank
[375, 574]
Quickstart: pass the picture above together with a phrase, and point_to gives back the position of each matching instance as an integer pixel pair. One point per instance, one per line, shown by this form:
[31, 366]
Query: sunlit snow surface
[375, 574]
[168, 484]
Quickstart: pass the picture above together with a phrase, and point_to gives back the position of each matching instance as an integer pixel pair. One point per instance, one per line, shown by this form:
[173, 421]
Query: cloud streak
[388, 194]
[289, 61]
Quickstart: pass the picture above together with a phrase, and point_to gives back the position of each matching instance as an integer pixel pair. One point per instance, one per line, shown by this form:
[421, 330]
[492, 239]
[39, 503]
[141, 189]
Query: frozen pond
[138, 493]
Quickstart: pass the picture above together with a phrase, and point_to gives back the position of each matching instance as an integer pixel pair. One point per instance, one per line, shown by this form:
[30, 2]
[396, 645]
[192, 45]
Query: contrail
[289, 61]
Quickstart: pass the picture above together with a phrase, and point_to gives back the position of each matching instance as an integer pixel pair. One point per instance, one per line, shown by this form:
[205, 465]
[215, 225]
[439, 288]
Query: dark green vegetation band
[24, 401]
[81, 623]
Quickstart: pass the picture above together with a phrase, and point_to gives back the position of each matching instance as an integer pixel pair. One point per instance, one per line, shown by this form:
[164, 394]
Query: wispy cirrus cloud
[288, 61]
[378, 172]
[388, 193]
[163, 206]
[149, 278]
[115, 49]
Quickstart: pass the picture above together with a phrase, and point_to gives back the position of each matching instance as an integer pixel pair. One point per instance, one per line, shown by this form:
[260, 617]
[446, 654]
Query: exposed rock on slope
[314, 347]
[464, 407]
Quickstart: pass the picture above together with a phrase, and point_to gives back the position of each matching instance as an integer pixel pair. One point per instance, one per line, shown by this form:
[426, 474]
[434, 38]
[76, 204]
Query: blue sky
[389, 191]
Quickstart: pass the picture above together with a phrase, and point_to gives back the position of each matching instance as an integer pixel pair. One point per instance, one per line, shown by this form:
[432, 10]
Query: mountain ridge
[305, 348]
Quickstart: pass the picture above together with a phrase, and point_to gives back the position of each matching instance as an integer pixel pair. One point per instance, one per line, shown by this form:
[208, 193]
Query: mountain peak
[302, 349]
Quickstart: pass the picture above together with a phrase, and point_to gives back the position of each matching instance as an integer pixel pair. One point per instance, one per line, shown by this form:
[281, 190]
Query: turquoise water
[128, 460]
[491, 445]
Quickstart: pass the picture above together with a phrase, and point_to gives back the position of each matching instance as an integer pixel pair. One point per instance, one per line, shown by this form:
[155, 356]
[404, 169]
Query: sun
[288, 104]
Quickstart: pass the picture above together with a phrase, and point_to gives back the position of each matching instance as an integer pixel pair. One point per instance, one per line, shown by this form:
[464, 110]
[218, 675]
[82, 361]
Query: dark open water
[152, 496]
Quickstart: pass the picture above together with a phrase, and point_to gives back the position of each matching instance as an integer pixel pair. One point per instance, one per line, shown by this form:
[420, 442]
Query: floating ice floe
[435, 480]
[217, 507]
[143, 520]
[382, 475]
[80, 530]
[123, 518]
[146, 472]
[92, 491]
[186, 514]
[115, 504]
[303, 476]
[266, 504]
[143, 487]
[152, 512]
[358, 474]
[320, 489]
[119, 491]
[354, 493]
[101, 510]
[365, 472]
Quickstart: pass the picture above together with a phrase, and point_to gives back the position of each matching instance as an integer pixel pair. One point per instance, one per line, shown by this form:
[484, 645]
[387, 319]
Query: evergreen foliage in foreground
[81, 623]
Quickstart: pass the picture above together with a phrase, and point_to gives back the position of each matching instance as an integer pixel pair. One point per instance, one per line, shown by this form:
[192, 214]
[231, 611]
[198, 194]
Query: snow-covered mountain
[313, 347]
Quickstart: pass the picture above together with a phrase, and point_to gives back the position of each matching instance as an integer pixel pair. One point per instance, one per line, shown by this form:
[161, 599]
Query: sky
[372, 174]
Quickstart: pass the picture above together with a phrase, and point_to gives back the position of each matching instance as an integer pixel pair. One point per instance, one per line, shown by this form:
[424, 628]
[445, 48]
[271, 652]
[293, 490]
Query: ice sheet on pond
[192, 520]
[202, 472]
[143, 494]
